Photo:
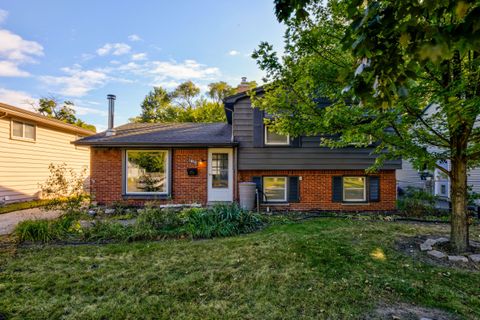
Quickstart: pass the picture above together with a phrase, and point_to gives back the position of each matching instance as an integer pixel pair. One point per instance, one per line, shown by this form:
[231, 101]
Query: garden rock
[109, 211]
[85, 224]
[92, 213]
[425, 246]
[475, 258]
[457, 259]
[436, 254]
[441, 240]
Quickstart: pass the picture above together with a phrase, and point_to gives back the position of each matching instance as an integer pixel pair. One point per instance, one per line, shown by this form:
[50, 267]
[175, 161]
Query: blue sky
[83, 50]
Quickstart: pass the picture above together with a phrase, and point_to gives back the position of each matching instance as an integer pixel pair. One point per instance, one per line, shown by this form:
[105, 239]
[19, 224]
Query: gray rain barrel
[247, 195]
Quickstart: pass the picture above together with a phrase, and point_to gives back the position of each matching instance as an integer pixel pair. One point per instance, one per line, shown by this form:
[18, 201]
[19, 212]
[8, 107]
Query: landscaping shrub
[107, 230]
[44, 230]
[220, 221]
[151, 223]
[417, 203]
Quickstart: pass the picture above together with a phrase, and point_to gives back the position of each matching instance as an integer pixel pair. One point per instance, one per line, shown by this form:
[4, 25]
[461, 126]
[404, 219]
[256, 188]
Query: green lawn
[325, 268]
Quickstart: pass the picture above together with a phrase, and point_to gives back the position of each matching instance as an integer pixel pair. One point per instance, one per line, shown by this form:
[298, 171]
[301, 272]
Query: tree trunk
[459, 194]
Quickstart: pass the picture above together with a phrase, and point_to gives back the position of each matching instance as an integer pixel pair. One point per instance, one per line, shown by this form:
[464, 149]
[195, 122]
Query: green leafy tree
[217, 91]
[185, 94]
[182, 104]
[390, 60]
[157, 107]
[51, 108]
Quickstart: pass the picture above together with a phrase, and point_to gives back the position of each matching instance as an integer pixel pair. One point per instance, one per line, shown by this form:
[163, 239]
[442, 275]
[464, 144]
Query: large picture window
[147, 171]
[354, 189]
[273, 138]
[275, 189]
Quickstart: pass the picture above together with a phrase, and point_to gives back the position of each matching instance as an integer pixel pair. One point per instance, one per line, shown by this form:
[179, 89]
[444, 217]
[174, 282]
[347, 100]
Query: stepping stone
[457, 259]
[441, 240]
[430, 242]
[425, 246]
[475, 258]
[436, 254]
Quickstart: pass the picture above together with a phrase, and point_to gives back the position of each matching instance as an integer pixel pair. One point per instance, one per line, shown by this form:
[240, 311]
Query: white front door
[220, 174]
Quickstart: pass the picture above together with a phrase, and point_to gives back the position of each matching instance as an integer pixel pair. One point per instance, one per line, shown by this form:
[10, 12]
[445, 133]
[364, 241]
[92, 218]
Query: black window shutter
[293, 189]
[337, 189]
[374, 188]
[257, 128]
[296, 142]
[258, 182]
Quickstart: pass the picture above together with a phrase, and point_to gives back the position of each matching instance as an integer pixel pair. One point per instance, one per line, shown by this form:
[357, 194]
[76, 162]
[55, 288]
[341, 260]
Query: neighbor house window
[273, 138]
[22, 130]
[354, 189]
[147, 171]
[275, 189]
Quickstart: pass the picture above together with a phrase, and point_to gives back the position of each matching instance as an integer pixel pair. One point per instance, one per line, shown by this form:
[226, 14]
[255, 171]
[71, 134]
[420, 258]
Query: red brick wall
[316, 189]
[106, 177]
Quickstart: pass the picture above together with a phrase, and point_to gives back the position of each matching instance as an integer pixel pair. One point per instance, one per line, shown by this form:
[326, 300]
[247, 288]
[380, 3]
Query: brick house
[204, 163]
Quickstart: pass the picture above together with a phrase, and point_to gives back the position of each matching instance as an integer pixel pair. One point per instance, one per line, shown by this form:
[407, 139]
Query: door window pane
[147, 171]
[29, 131]
[354, 189]
[219, 170]
[17, 130]
[275, 189]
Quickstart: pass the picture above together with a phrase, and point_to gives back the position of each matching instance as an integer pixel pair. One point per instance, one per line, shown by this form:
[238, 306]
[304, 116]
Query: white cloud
[188, 69]
[14, 51]
[116, 49]
[139, 56]
[134, 37]
[77, 82]
[233, 53]
[15, 48]
[10, 69]
[17, 98]
[3, 15]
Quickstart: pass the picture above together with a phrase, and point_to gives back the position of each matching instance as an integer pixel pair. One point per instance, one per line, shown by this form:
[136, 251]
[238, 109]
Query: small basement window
[147, 172]
[22, 130]
[354, 189]
[275, 189]
[273, 138]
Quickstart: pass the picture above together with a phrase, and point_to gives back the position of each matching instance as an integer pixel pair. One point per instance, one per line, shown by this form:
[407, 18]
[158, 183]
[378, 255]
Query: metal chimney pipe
[111, 112]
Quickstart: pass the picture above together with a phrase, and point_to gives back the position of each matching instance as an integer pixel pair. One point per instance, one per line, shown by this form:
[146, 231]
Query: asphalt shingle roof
[166, 134]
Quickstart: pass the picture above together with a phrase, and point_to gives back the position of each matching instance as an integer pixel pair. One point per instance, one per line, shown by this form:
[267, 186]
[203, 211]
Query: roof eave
[153, 144]
[25, 114]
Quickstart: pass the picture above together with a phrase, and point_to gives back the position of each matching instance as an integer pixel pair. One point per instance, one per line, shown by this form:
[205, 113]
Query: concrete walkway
[8, 221]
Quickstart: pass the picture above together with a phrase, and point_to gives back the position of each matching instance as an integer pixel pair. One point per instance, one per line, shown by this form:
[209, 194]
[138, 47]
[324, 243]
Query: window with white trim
[354, 189]
[23, 130]
[275, 189]
[147, 172]
[273, 138]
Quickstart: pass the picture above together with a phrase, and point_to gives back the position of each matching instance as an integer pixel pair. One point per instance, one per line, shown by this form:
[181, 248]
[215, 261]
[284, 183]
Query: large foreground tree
[409, 70]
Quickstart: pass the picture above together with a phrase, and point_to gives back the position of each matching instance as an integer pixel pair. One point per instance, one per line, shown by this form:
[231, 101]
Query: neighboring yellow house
[29, 142]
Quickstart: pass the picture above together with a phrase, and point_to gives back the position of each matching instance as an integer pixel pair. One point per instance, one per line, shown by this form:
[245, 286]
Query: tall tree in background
[217, 91]
[391, 60]
[185, 94]
[157, 107]
[51, 108]
[183, 104]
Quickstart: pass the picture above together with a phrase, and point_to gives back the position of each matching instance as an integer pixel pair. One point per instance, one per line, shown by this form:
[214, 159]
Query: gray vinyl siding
[243, 123]
[309, 156]
[408, 176]
[307, 159]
